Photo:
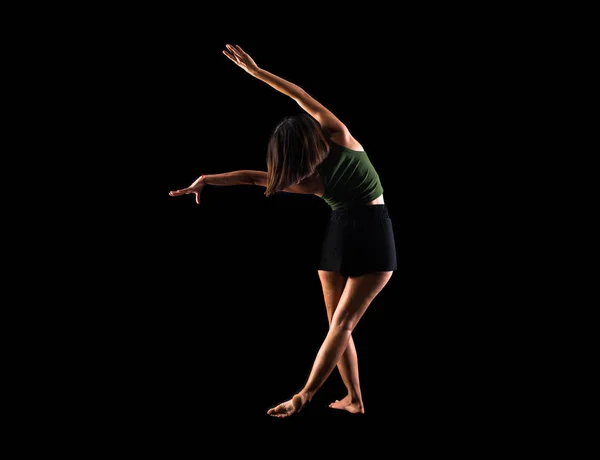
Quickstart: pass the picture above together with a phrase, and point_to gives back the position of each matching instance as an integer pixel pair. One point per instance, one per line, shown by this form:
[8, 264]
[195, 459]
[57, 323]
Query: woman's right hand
[195, 188]
[241, 58]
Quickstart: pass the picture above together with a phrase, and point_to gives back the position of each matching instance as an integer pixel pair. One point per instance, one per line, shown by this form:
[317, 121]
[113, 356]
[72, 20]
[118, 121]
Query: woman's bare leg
[333, 284]
[358, 294]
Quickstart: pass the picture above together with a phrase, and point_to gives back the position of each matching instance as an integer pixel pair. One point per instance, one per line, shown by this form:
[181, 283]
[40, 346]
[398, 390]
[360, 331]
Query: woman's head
[296, 147]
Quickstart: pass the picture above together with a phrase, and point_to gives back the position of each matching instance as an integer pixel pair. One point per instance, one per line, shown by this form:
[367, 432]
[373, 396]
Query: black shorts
[359, 240]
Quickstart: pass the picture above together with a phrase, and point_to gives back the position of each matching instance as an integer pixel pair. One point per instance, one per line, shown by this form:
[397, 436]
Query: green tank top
[349, 177]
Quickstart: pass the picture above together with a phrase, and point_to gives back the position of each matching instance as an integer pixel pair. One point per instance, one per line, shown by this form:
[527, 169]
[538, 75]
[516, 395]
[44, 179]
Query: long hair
[296, 147]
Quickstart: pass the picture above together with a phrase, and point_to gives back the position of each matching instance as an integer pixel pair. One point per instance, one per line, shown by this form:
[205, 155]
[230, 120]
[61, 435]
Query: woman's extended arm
[241, 177]
[326, 119]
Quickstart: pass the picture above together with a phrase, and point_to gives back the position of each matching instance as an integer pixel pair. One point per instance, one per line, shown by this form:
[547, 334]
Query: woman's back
[349, 178]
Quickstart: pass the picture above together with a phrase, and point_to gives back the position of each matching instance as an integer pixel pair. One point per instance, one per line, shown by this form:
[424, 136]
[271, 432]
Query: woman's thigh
[358, 294]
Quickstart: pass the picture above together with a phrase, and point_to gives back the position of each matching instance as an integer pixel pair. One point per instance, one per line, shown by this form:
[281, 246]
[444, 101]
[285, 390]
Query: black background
[213, 313]
[225, 313]
[237, 314]
[150, 320]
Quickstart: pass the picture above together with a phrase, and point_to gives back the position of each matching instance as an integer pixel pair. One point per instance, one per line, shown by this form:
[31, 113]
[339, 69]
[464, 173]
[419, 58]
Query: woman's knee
[343, 321]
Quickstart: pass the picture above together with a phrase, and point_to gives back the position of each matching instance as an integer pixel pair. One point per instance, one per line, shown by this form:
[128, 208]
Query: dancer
[315, 153]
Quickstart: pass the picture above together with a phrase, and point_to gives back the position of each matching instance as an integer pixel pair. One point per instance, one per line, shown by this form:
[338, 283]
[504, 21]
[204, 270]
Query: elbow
[255, 178]
[299, 95]
[248, 179]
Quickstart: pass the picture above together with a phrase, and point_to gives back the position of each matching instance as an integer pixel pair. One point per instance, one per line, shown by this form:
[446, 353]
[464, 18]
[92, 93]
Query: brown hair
[296, 147]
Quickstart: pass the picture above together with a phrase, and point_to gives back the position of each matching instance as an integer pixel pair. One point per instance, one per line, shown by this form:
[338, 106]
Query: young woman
[315, 153]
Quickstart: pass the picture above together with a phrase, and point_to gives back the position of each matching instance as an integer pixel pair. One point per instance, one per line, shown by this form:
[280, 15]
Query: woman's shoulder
[346, 140]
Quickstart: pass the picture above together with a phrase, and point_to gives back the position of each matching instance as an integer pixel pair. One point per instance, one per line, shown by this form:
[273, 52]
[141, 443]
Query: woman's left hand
[241, 58]
[195, 188]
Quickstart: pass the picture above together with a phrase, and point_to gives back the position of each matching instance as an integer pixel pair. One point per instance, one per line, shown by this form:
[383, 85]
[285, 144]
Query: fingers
[235, 58]
[236, 51]
[230, 56]
[184, 191]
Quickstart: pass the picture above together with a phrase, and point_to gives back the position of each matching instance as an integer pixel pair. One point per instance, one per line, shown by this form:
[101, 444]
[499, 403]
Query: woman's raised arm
[318, 111]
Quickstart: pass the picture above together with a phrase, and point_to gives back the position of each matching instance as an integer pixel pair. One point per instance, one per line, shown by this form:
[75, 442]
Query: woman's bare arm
[324, 116]
[241, 177]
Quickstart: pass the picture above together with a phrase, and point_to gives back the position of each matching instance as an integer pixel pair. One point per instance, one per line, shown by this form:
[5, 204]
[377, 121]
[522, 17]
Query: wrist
[200, 181]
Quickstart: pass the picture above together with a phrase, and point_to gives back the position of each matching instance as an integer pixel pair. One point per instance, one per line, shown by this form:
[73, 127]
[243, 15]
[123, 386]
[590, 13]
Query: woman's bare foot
[353, 406]
[290, 407]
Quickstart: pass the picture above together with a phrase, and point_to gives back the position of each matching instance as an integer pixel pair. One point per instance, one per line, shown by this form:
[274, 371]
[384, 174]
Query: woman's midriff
[378, 200]
[317, 187]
